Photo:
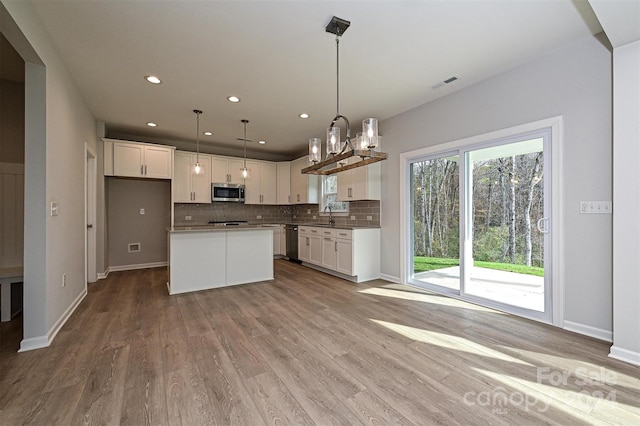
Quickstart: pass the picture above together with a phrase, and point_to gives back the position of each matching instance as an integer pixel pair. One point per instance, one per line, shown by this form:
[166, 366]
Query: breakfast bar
[206, 257]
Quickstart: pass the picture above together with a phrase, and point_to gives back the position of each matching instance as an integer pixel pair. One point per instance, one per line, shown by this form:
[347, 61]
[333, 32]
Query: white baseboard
[103, 275]
[625, 355]
[44, 341]
[587, 330]
[34, 343]
[390, 278]
[134, 267]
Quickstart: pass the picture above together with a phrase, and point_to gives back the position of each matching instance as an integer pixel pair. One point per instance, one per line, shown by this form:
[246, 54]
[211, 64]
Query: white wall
[54, 171]
[575, 83]
[626, 196]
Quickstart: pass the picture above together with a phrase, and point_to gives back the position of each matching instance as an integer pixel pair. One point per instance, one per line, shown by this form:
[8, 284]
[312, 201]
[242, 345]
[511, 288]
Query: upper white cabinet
[260, 184]
[283, 190]
[361, 183]
[189, 187]
[226, 170]
[136, 159]
[304, 188]
[133, 159]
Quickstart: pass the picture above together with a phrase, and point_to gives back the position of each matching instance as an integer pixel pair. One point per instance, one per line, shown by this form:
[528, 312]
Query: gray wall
[125, 198]
[575, 82]
[58, 124]
[11, 122]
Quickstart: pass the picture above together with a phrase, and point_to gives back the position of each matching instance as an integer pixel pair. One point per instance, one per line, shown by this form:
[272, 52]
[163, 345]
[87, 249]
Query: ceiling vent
[444, 82]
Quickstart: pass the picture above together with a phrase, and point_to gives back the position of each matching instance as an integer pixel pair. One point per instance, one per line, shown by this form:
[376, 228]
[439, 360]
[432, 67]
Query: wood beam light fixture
[338, 152]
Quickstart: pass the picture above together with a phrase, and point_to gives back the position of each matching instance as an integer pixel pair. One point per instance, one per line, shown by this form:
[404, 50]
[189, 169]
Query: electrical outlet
[141, 211]
[369, 217]
[314, 217]
[187, 218]
[64, 280]
[353, 218]
[308, 211]
[258, 217]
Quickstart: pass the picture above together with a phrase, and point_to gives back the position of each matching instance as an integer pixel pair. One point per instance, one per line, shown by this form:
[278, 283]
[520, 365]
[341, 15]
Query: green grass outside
[422, 264]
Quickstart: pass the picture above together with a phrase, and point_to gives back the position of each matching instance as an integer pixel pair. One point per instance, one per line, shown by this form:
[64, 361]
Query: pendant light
[197, 169]
[337, 152]
[244, 170]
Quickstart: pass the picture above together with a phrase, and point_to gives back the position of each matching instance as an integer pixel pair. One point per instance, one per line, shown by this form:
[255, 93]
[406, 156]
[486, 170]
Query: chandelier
[338, 151]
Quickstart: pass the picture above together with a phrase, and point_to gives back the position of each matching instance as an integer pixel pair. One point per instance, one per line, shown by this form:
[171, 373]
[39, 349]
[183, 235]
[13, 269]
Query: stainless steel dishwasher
[292, 241]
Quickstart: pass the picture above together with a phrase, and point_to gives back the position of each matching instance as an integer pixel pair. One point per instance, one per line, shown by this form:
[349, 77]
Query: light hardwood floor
[307, 348]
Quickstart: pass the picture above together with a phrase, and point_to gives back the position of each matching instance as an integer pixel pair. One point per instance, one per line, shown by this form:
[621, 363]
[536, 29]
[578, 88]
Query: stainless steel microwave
[229, 192]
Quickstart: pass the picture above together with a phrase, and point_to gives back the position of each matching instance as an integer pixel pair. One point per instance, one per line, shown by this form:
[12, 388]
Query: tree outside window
[330, 195]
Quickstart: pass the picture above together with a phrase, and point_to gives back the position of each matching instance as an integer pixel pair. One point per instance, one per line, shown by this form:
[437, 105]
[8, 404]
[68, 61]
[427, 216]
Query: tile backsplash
[361, 213]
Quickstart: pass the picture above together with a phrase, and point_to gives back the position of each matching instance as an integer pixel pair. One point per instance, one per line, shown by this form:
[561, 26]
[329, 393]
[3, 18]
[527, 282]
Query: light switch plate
[595, 207]
[54, 208]
[141, 211]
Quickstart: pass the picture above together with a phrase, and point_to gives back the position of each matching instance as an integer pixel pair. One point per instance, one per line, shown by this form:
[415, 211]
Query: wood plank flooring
[305, 349]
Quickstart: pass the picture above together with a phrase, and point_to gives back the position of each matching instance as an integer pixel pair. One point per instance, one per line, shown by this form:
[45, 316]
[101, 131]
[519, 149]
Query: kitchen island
[206, 257]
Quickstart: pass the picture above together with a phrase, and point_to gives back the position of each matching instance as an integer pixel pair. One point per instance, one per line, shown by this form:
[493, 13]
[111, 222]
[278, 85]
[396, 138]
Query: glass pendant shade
[315, 148]
[333, 140]
[198, 168]
[370, 132]
[360, 144]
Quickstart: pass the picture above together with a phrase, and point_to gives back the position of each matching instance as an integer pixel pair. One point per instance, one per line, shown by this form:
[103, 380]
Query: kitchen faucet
[331, 220]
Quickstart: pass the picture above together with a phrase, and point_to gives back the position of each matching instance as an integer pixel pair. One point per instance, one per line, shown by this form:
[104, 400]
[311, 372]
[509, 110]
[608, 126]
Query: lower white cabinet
[349, 253]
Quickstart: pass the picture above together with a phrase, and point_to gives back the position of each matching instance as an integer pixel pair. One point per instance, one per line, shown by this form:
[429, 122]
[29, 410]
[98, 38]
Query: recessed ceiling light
[304, 115]
[233, 99]
[152, 79]
[208, 133]
[150, 124]
[262, 142]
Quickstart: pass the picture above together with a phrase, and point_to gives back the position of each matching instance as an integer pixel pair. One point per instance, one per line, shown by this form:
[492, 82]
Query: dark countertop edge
[208, 228]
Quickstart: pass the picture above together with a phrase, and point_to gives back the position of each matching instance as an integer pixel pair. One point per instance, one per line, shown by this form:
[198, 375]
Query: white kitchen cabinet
[210, 258]
[361, 183]
[226, 170]
[283, 190]
[189, 187]
[344, 253]
[353, 254]
[315, 248]
[261, 182]
[304, 188]
[304, 246]
[329, 248]
[133, 159]
[136, 159]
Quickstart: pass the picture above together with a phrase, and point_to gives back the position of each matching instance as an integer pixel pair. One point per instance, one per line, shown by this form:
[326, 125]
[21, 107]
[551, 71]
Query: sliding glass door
[480, 222]
[436, 221]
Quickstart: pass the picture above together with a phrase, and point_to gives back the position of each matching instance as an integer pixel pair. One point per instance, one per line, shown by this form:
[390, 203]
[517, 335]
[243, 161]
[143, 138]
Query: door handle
[89, 226]
[543, 225]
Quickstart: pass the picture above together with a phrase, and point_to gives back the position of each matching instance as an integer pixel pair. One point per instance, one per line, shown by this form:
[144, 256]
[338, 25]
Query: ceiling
[277, 57]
